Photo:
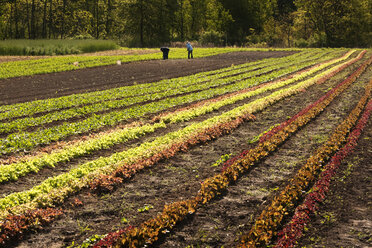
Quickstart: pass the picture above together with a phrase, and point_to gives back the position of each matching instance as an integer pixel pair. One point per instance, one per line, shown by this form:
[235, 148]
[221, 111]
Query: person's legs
[188, 54]
[192, 55]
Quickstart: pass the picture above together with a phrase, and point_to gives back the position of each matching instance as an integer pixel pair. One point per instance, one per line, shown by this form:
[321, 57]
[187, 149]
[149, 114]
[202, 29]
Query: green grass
[54, 47]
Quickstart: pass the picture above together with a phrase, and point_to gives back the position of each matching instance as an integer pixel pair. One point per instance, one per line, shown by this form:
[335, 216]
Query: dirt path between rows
[22, 89]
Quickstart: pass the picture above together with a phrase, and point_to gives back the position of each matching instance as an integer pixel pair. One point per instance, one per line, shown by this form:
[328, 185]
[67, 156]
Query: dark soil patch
[22, 89]
[178, 178]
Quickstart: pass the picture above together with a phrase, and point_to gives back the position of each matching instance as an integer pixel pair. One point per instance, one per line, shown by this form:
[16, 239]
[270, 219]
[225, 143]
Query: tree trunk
[108, 19]
[16, 19]
[44, 19]
[62, 31]
[50, 22]
[33, 31]
[10, 29]
[97, 19]
[28, 20]
[182, 21]
[141, 22]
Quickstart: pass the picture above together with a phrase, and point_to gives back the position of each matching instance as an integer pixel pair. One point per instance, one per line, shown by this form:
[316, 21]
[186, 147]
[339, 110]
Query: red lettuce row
[293, 231]
[150, 230]
[105, 183]
[15, 226]
[272, 217]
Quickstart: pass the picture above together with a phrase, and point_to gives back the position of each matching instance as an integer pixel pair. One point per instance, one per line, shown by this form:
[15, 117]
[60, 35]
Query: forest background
[150, 23]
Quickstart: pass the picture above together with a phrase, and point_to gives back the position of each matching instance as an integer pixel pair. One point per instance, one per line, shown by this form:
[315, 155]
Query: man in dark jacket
[165, 51]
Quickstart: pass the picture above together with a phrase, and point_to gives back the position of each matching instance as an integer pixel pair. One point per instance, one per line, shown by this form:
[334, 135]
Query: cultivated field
[236, 148]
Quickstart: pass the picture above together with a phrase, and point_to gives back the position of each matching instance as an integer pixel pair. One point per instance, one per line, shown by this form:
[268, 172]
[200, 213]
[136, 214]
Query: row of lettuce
[264, 228]
[273, 216]
[25, 140]
[124, 164]
[294, 229]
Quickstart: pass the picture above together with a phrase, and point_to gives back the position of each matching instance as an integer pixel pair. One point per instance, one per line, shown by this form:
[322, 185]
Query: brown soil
[23, 89]
[222, 221]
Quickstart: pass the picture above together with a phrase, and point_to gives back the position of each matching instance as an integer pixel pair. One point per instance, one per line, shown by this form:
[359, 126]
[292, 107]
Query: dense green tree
[341, 22]
[158, 22]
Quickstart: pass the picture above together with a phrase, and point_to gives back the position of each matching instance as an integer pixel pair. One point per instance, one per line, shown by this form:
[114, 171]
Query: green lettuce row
[176, 89]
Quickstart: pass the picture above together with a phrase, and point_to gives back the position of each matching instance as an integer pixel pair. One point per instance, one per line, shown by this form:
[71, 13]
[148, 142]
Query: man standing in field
[189, 50]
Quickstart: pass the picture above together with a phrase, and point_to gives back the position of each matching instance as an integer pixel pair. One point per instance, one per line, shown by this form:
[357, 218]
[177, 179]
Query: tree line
[303, 23]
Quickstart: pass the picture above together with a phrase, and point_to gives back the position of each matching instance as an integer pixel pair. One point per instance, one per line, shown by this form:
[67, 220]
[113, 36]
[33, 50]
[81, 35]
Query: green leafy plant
[222, 160]
[145, 208]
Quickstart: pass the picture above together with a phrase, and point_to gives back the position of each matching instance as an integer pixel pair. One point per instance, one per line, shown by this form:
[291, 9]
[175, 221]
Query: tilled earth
[222, 221]
[45, 86]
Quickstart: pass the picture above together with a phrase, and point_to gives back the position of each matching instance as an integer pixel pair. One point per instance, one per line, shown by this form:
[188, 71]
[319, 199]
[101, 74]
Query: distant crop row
[66, 63]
